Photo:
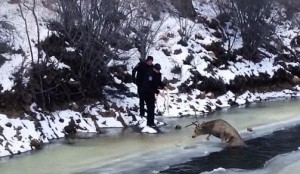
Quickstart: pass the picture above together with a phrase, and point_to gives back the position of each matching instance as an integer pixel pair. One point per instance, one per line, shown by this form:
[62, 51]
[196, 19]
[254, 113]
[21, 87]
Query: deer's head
[198, 129]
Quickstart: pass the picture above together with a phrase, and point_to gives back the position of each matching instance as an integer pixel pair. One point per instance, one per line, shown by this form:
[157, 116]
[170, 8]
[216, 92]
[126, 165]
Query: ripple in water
[259, 151]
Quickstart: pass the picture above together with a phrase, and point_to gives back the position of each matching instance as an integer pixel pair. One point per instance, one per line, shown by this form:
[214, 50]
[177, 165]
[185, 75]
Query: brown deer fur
[220, 129]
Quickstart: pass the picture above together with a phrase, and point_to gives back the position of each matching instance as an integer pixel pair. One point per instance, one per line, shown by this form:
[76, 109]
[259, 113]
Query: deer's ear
[202, 125]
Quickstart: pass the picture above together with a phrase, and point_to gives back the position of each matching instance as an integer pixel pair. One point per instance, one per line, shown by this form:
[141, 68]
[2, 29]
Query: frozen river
[128, 151]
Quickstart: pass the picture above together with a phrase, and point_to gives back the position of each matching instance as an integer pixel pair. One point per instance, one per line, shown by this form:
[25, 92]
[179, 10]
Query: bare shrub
[14, 1]
[24, 8]
[291, 7]
[291, 11]
[184, 7]
[145, 27]
[187, 27]
[254, 19]
[6, 34]
[176, 69]
[95, 31]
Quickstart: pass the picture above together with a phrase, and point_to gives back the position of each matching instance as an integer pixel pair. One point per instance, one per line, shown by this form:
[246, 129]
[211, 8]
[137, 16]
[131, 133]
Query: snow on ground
[52, 125]
[149, 130]
[11, 14]
[7, 69]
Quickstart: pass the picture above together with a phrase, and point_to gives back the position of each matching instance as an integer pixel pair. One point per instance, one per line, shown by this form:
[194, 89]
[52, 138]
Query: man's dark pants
[142, 102]
[150, 102]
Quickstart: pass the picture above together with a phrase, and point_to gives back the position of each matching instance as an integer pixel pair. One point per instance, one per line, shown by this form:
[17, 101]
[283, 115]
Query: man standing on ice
[139, 73]
[150, 86]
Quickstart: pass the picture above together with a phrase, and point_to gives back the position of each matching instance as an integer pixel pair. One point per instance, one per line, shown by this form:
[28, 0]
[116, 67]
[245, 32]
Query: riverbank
[123, 149]
[16, 133]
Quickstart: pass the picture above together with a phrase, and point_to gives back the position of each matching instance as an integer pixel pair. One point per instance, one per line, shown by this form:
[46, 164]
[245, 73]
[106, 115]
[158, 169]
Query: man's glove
[161, 94]
[168, 86]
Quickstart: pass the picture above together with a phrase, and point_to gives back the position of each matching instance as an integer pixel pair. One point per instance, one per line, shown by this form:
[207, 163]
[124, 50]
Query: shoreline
[109, 147]
[50, 126]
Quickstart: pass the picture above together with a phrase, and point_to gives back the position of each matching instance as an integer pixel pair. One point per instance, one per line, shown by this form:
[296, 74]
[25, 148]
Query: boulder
[37, 144]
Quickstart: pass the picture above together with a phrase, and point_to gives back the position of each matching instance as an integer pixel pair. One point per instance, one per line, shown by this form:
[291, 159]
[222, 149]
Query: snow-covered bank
[17, 133]
[147, 152]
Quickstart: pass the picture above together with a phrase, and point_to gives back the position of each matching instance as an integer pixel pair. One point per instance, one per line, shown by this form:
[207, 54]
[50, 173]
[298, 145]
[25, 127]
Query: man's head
[157, 67]
[149, 60]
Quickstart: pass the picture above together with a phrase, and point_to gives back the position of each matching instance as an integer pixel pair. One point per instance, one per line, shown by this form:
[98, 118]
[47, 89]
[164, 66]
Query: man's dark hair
[149, 58]
[157, 66]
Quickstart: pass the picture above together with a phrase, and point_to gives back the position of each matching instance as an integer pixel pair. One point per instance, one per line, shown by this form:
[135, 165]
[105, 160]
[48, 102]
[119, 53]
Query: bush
[176, 69]
[253, 18]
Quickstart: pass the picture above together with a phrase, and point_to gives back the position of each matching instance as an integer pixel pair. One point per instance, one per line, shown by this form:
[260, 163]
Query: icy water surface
[127, 151]
[259, 151]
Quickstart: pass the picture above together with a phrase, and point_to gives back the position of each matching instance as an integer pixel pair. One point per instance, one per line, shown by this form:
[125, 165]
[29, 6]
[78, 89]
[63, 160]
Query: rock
[1, 130]
[214, 24]
[108, 114]
[295, 42]
[78, 121]
[199, 36]
[121, 120]
[296, 80]
[61, 120]
[70, 129]
[166, 52]
[217, 86]
[177, 127]
[202, 95]
[94, 118]
[178, 51]
[210, 95]
[18, 136]
[74, 106]
[26, 97]
[170, 87]
[183, 43]
[19, 128]
[37, 144]
[8, 124]
[14, 1]
[8, 149]
[192, 107]
[249, 129]
[189, 98]
[37, 125]
[179, 100]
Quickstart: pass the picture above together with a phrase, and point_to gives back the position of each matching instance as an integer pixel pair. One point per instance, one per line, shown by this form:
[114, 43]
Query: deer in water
[220, 129]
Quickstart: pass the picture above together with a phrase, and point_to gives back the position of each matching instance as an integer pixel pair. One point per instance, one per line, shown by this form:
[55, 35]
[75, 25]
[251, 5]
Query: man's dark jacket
[140, 71]
[152, 83]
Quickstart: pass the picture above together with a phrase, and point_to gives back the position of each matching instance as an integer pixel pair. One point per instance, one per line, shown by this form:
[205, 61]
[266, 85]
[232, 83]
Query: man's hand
[161, 94]
[168, 86]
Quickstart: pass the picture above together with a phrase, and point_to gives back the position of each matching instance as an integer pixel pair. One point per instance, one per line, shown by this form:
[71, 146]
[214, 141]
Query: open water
[273, 147]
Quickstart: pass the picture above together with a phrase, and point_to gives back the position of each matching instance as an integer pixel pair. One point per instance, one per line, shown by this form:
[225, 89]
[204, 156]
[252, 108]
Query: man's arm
[161, 85]
[134, 70]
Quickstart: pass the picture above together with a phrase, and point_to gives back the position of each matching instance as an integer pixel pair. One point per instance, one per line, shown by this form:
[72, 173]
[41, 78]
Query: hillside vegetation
[71, 53]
